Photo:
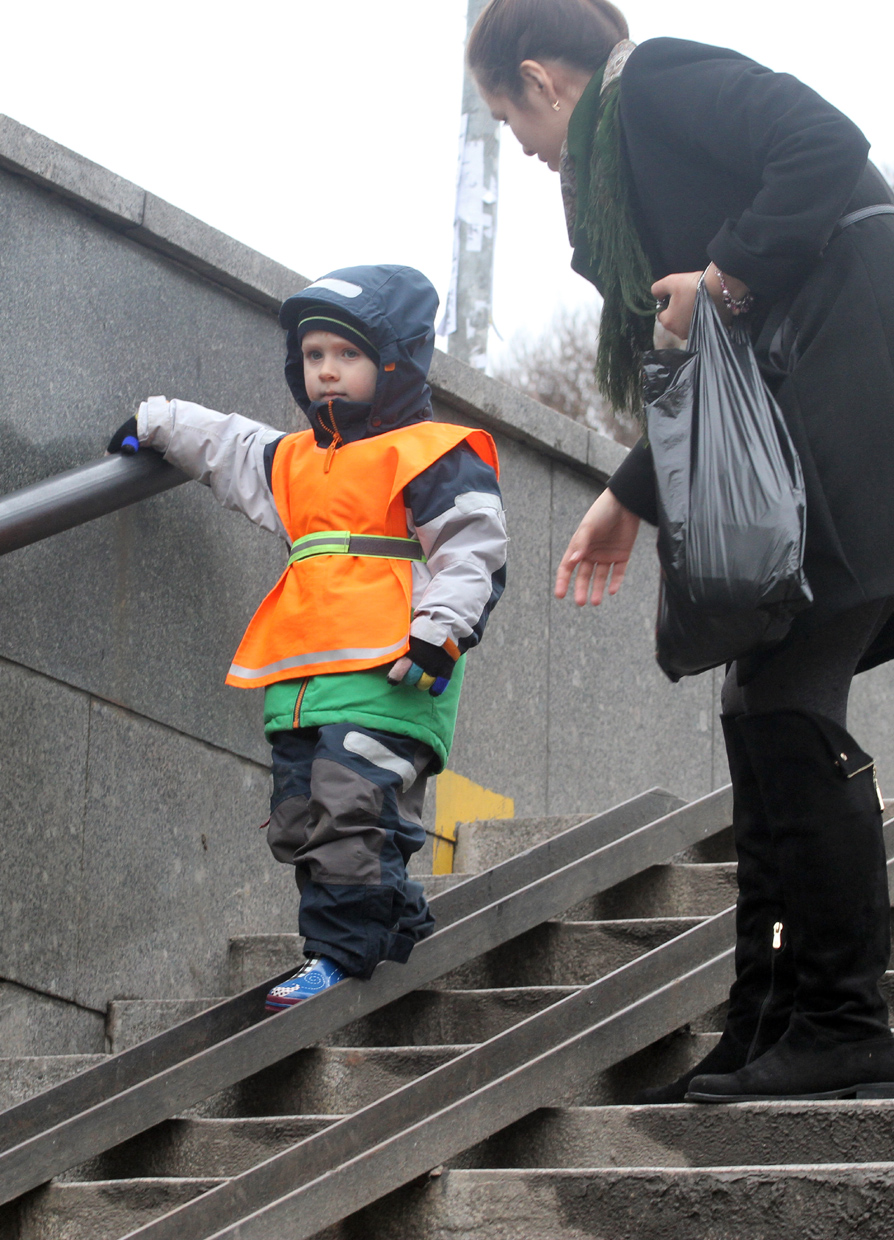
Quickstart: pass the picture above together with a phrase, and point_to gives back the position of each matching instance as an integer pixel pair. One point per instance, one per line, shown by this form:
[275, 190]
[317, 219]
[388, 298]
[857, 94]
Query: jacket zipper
[337, 440]
[296, 718]
[778, 929]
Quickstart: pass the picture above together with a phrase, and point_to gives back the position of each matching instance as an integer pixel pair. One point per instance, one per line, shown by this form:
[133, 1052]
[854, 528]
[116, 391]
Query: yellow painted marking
[460, 800]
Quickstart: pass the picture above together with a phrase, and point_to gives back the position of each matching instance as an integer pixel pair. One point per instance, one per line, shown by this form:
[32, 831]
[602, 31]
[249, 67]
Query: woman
[679, 159]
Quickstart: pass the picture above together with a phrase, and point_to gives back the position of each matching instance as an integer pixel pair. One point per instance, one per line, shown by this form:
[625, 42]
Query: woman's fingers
[589, 584]
[597, 588]
[619, 571]
[567, 565]
[598, 551]
[679, 289]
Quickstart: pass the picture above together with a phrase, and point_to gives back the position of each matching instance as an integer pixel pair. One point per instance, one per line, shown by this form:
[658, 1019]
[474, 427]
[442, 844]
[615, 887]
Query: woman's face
[540, 129]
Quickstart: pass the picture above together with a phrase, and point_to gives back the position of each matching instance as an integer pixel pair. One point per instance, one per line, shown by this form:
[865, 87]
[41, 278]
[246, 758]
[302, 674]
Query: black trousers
[812, 670]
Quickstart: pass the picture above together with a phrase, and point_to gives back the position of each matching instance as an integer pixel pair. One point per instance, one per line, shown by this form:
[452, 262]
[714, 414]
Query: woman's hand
[680, 291]
[601, 545]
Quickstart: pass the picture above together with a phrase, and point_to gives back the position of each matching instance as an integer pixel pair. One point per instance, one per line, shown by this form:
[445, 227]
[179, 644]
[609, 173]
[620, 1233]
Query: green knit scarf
[607, 250]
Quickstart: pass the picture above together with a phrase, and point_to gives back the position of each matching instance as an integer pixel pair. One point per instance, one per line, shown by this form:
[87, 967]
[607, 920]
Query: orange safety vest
[343, 612]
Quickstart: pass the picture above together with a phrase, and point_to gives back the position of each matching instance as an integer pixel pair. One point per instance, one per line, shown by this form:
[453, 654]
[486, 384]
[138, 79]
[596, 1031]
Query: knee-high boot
[824, 812]
[760, 1000]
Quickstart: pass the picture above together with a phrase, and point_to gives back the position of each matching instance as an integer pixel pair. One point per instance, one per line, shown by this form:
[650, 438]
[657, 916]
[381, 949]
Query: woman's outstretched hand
[600, 547]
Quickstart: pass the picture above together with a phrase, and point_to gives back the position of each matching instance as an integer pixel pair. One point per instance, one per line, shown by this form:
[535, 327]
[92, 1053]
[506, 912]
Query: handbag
[730, 496]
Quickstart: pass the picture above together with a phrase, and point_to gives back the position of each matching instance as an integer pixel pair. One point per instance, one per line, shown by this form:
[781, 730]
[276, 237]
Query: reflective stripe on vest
[300, 664]
[343, 542]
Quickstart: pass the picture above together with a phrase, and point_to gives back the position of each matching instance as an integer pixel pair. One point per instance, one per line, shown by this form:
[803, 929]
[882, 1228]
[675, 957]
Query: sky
[324, 133]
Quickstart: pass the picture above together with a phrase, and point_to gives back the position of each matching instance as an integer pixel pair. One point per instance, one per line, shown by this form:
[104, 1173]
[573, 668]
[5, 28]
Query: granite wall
[133, 780]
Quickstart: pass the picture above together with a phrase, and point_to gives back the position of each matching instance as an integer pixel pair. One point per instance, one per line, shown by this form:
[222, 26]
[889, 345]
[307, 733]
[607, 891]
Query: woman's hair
[581, 33]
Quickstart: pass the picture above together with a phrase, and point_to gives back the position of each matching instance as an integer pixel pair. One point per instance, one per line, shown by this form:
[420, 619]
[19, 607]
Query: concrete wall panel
[502, 726]
[174, 862]
[616, 724]
[43, 763]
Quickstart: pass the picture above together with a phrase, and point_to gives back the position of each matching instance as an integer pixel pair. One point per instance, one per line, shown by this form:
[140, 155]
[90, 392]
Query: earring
[557, 106]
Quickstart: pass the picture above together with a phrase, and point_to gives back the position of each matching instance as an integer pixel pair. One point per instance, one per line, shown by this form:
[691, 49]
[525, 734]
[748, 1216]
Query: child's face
[334, 367]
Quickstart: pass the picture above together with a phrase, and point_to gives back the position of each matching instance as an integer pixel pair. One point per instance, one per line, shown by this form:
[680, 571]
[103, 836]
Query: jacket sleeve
[456, 511]
[633, 483]
[225, 452]
[737, 122]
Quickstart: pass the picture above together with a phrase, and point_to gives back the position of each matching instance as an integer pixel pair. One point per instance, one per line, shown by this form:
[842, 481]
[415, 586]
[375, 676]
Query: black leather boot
[824, 812]
[760, 1000]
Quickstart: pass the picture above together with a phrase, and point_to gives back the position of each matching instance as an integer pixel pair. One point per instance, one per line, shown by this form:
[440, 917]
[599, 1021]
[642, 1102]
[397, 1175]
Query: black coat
[733, 163]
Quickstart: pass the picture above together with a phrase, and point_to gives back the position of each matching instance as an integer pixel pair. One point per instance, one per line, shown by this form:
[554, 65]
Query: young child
[398, 551]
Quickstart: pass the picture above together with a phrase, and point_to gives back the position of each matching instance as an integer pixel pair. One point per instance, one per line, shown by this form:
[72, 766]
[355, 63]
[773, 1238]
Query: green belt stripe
[343, 542]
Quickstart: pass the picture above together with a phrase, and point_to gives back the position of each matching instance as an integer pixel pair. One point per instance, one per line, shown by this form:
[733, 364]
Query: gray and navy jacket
[454, 507]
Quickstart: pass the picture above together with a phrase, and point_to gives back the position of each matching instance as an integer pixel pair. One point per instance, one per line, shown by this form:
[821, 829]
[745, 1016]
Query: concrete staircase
[595, 1168]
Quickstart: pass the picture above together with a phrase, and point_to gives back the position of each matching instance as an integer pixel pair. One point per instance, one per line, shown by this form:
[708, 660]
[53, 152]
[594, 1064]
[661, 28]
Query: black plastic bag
[730, 500]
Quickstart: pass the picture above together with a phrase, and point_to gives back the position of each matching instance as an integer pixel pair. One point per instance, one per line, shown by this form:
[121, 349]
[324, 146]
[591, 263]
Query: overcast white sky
[324, 132]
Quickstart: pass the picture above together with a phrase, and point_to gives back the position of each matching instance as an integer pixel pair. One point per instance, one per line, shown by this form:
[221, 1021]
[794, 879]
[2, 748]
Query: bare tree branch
[558, 368]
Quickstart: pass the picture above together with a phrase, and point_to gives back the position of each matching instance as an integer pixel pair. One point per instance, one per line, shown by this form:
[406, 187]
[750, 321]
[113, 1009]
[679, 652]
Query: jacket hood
[395, 309]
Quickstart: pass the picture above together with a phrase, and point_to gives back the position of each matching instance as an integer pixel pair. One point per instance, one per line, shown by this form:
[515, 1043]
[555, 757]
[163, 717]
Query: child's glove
[427, 667]
[125, 439]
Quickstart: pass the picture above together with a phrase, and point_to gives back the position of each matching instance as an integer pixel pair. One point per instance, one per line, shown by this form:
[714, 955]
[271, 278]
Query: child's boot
[318, 973]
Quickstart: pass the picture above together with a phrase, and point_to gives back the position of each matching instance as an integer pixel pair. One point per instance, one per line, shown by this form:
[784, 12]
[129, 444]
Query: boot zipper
[777, 947]
[869, 766]
[878, 791]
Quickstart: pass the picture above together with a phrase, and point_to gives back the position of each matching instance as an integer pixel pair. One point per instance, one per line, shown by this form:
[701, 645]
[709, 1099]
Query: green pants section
[367, 699]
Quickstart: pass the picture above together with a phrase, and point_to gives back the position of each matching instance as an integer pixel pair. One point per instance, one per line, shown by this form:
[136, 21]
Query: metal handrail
[542, 1061]
[65, 500]
[152, 1082]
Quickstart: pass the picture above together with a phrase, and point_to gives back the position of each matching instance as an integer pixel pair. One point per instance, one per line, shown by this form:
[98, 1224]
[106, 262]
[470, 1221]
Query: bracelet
[735, 305]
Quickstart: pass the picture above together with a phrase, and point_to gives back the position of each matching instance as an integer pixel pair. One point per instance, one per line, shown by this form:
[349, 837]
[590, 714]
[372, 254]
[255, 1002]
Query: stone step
[750, 1134]
[98, 1210]
[673, 890]
[558, 953]
[328, 1080]
[565, 953]
[325, 1080]
[554, 1137]
[201, 1148]
[425, 1017]
[484, 844]
[441, 1017]
[252, 958]
[719, 847]
[131, 1021]
[624, 1150]
[435, 884]
[832, 1202]
[657, 1064]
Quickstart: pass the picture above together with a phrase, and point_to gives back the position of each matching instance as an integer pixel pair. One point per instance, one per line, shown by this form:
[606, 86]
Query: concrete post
[467, 317]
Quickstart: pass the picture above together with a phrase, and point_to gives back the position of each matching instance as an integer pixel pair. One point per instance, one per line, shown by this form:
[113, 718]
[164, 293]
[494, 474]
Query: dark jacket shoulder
[731, 161]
